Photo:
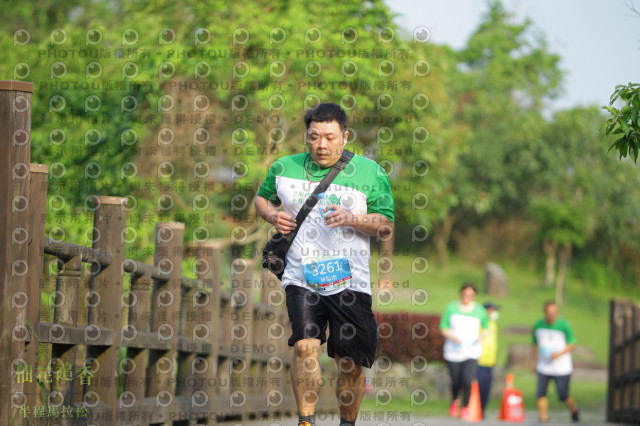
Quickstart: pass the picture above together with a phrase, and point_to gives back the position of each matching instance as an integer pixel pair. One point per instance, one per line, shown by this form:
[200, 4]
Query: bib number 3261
[327, 274]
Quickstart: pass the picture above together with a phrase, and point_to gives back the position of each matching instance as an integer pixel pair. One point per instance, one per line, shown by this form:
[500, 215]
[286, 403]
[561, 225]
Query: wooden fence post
[15, 138]
[623, 393]
[241, 332]
[109, 222]
[38, 177]
[224, 364]
[611, 376]
[210, 254]
[166, 313]
[63, 356]
[191, 332]
[273, 297]
[139, 318]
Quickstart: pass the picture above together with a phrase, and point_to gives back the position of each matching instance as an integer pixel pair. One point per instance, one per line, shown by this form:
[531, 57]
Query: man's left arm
[370, 223]
[571, 341]
[379, 217]
[566, 350]
[484, 325]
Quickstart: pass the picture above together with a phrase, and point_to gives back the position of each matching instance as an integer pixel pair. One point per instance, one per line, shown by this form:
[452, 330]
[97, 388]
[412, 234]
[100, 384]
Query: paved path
[556, 418]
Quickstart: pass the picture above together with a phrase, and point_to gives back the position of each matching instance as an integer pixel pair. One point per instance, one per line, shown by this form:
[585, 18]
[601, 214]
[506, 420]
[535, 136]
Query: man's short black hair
[325, 113]
[470, 285]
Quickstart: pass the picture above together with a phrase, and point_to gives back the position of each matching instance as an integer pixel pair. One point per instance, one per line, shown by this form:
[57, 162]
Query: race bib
[545, 353]
[327, 275]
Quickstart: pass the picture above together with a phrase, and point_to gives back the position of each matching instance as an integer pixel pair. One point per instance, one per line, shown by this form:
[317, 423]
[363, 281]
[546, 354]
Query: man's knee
[347, 366]
[564, 397]
[307, 348]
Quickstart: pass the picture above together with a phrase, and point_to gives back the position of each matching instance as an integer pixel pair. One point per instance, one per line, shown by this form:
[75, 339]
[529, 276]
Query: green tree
[581, 199]
[564, 226]
[508, 73]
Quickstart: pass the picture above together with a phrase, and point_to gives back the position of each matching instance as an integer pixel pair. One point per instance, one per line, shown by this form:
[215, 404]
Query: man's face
[467, 295]
[326, 142]
[551, 313]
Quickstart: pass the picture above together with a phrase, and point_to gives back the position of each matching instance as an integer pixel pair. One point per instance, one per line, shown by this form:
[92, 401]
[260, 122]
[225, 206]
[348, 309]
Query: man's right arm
[445, 331]
[281, 220]
[447, 334]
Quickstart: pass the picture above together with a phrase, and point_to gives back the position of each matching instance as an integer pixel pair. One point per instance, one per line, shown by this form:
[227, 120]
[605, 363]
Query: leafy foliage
[625, 121]
[184, 106]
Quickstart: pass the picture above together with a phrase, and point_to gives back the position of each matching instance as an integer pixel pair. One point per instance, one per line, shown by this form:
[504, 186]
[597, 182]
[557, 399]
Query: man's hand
[566, 350]
[283, 222]
[337, 217]
[445, 332]
[370, 224]
[483, 335]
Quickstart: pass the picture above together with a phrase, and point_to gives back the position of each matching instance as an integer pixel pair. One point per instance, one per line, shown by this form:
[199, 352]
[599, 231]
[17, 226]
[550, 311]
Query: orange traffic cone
[512, 404]
[473, 409]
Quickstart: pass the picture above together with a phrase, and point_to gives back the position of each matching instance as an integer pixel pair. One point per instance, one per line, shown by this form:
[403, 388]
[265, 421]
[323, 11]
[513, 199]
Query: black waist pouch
[274, 255]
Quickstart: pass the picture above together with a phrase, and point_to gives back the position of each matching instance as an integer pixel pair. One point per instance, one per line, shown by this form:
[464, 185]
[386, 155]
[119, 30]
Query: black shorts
[353, 331]
[562, 386]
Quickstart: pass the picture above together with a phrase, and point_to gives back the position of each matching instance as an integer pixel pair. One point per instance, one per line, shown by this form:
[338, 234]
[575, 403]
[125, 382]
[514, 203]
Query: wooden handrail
[66, 251]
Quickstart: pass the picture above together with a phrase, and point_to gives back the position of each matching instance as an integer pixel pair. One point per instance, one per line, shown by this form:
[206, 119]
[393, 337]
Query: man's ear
[346, 137]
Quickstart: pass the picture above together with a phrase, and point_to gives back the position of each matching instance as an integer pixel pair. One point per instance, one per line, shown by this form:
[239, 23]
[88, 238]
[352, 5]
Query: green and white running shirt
[465, 326]
[314, 260]
[552, 338]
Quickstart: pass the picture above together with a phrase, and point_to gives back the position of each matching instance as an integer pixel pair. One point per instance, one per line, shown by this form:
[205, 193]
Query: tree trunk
[550, 249]
[563, 268]
[443, 237]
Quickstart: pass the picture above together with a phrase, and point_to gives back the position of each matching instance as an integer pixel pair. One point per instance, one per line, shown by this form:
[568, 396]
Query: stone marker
[496, 281]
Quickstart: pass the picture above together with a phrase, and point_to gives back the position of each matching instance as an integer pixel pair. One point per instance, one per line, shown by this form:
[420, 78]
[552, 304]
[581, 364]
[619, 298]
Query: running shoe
[464, 413]
[575, 416]
[454, 408]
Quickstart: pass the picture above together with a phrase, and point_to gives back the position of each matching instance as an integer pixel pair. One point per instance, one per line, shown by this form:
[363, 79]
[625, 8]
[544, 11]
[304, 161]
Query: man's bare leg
[349, 388]
[572, 406]
[543, 408]
[306, 375]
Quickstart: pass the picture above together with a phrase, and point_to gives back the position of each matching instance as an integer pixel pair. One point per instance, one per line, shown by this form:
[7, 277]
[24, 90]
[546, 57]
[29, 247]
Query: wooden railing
[170, 350]
[623, 405]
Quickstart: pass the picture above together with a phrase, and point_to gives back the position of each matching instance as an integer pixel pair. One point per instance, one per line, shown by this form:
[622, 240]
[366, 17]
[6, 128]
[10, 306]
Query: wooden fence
[623, 405]
[169, 351]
